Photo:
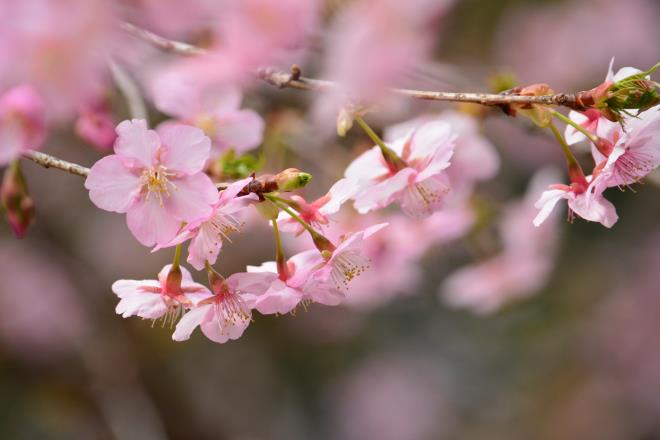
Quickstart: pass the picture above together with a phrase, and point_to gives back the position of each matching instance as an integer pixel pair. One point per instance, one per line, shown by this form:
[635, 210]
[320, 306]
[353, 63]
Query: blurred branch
[162, 43]
[48, 161]
[130, 90]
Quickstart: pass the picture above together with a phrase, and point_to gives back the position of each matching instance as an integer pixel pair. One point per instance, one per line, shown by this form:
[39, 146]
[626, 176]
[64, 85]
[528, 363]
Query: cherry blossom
[153, 299]
[342, 265]
[22, 122]
[207, 233]
[155, 178]
[291, 288]
[636, 151]
[226, 314]
[475, 158]
[214, 109]
[585, 199]
[318, 212]
[419, 185]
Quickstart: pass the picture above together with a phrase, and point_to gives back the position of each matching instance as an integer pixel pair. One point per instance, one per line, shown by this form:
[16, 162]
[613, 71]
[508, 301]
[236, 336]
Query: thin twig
[48, 161]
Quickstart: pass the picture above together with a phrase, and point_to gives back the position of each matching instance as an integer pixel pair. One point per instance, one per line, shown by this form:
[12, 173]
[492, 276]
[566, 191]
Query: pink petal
[280, 298]
[339, 193]
[233, 189]
[136, 144]
[220, 330]
[112, 186]
[240, 130]
[367, 167]
[185, 148]
[192, 198]
[205, 246]
[150, 224]
[190, 321]
[546, 203]
[384, 193]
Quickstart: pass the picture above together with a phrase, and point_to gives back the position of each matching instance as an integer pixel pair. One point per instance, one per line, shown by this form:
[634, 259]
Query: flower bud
[173, 281]
[292, 179]
[18, 205]
[323, 244]
[345, 120]
[216, 282]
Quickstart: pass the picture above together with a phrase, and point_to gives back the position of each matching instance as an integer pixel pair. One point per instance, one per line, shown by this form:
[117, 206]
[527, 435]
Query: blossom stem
[574, 168]
[177, 256]
[279, 252]
[287, 202]
[320, 241]
[592, 137]
[389, 155]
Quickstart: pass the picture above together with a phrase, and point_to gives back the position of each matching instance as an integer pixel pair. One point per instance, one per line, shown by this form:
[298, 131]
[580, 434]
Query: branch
[282, 79]
[162, 43]
[48, 161]
[293, 80]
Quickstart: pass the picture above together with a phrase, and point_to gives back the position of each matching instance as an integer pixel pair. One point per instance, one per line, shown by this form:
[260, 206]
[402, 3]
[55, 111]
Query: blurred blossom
[22, 122]
[59, 47]
[40, 313]
[566, 43]
[213, 108]
[169, 18]
[372, 45]
[396, 396]
[519, 270]
[95, 124]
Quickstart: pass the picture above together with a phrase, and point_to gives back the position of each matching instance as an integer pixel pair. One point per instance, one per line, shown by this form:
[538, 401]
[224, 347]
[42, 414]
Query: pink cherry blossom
[420, 186]
[636, 150]
[22, 122]
[345, 263]
[520, 269]
[60, 47]
[288, 290]
[226, 314]
[475, 158]
[153, 299]
[586, 201]
[95, 125]
[214, 109]
[208, 232]
[155, 178]
[318, 212]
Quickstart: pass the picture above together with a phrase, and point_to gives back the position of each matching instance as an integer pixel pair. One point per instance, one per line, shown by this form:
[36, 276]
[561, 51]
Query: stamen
[155, 180]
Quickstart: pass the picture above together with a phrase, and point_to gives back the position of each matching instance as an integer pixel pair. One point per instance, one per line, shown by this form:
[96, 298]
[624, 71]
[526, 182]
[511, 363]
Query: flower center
[348, 266]
[155, 180]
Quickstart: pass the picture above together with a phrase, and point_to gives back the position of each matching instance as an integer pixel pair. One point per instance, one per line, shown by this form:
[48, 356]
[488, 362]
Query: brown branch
[294, 80]
[48, 161]
[282, 79]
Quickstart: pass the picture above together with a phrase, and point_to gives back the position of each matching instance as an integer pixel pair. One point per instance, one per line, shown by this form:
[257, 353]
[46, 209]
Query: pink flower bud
[18, 204]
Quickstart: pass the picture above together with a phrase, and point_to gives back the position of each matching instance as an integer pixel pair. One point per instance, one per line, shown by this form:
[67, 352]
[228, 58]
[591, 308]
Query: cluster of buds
[614, 98]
